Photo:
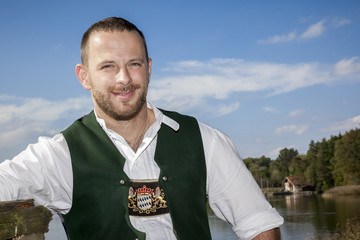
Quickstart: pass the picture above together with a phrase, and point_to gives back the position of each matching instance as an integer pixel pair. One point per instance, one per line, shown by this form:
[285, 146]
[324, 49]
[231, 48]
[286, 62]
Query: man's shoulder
[56, 142]
[210, 130]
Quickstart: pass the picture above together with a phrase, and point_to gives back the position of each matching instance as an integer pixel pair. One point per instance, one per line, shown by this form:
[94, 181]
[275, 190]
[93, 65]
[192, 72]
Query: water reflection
[304, 215]
[307, 215]
[219, 230]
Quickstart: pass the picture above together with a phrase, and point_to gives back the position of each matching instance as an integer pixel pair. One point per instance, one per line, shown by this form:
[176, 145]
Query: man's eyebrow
[105, 62]
[113, 61]
[137, 59]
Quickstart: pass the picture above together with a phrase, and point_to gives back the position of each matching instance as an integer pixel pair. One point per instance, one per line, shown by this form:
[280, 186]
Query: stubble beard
[128, 111]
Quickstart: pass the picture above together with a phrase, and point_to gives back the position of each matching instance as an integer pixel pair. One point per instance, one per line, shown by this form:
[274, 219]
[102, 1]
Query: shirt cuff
[258, 223]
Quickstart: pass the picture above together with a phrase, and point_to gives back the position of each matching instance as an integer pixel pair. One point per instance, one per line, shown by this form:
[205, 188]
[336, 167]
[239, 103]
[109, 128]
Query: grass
[342, 191]
[350, 231]
[271, 189]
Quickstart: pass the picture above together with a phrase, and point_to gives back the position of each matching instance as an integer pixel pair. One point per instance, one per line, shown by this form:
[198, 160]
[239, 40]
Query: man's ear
[150, 64]
[82, 76]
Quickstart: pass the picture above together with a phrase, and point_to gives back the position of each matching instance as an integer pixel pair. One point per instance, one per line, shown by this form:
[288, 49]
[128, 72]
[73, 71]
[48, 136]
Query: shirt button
[122, 182]
[165, 178]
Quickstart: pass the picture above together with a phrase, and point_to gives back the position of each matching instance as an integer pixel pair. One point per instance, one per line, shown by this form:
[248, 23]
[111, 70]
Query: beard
[127, 111]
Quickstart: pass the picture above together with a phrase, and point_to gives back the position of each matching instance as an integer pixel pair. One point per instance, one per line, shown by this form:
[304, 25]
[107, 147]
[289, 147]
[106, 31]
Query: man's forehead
[115, 39]
[96, 35]
[110, 43]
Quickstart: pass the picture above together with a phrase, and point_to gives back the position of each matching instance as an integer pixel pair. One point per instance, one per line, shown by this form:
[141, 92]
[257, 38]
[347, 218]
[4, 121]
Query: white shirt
[44, 172]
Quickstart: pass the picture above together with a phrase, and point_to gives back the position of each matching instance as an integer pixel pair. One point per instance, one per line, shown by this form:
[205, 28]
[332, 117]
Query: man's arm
[272, 234]
[234, 195]
[41, 172]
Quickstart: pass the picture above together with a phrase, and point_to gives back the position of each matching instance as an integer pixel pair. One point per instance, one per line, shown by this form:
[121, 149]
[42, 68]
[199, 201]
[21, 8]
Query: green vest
[100, 192]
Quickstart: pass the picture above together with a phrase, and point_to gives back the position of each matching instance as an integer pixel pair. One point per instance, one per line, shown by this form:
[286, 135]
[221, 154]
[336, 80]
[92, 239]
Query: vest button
[165, 178]
[122, 182]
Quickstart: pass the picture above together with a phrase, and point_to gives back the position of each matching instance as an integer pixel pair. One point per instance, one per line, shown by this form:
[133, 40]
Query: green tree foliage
[276, 177]
[326, 164]
[259, 168]
[298, 166]
[285, 157]
[347, 159]
[310, 172]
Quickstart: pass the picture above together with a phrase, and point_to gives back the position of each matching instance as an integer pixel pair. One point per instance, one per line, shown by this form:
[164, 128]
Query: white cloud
[296, 129]
[347, 67]
[226, 109]
[201, 86]
[280, 38]
[314, 30]
[22, 119]
[271, 110]
[296, 113]
[339, 22]
[345, 125]
[275, 152]
[41, 110]
[192, 84]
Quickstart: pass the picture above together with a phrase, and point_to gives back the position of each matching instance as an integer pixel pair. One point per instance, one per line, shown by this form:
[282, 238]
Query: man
[129, 170]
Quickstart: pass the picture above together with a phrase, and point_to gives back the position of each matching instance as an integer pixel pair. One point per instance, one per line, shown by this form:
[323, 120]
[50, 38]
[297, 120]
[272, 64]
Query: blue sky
[270, 74]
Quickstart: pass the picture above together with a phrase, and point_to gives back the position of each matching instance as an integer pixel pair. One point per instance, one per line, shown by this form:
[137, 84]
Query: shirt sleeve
[42, 172]
[233, 194]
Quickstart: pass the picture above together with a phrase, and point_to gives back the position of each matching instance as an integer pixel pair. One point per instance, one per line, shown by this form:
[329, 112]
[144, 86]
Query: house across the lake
[296, 184]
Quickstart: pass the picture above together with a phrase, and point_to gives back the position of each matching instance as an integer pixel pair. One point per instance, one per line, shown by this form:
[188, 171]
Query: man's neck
[132, 130]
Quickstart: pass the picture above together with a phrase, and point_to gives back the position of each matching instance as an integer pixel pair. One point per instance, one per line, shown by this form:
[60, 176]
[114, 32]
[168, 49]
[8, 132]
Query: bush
[350, 231]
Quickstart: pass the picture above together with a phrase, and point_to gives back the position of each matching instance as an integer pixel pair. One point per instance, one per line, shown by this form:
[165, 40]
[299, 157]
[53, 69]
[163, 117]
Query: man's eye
[107, 67]
[135, 64]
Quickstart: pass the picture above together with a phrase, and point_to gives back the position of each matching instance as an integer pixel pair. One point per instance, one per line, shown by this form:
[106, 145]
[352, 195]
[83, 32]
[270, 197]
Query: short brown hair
[108, 25]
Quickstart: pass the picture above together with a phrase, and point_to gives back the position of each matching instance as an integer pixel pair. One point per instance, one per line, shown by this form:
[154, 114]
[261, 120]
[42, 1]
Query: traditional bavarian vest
[100, 192]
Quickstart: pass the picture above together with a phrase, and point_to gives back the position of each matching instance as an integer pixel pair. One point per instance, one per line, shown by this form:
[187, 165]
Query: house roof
[298, 181]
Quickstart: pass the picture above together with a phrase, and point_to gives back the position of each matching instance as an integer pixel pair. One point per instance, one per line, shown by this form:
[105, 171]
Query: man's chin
[125, 113]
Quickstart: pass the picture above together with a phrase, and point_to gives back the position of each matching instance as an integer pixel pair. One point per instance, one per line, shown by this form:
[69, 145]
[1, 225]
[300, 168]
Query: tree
[259, 168]
[298, 166]
[322, 166]
[284, 158]
[311, 159]
[276, 177]
[326, 164]
[347, 159]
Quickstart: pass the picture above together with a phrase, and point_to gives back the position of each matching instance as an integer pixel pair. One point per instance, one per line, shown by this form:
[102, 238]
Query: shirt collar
[161, 118]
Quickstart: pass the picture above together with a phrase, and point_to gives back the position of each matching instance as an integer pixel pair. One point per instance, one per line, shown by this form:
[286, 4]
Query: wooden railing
[22, 220]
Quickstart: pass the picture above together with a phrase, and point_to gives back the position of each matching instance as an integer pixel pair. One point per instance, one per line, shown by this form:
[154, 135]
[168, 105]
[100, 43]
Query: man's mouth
[124, 95]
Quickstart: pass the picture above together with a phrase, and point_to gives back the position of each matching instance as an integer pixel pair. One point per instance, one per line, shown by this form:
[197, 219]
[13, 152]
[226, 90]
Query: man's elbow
[272, 234]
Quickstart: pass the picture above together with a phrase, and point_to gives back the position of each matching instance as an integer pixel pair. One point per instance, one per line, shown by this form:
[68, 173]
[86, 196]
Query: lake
[304, 216]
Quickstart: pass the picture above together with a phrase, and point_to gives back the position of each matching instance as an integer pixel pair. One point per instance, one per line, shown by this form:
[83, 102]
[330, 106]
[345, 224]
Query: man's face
[118, 73]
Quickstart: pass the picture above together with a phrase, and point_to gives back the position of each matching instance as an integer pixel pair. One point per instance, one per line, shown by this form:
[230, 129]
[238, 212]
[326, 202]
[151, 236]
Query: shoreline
[348, 190]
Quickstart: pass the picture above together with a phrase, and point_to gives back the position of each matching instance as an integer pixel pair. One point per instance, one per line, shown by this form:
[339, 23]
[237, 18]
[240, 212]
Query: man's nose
[123, 77]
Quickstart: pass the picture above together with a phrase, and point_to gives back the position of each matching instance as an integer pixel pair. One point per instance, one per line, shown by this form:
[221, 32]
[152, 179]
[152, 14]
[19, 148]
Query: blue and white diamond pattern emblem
[144, 201]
